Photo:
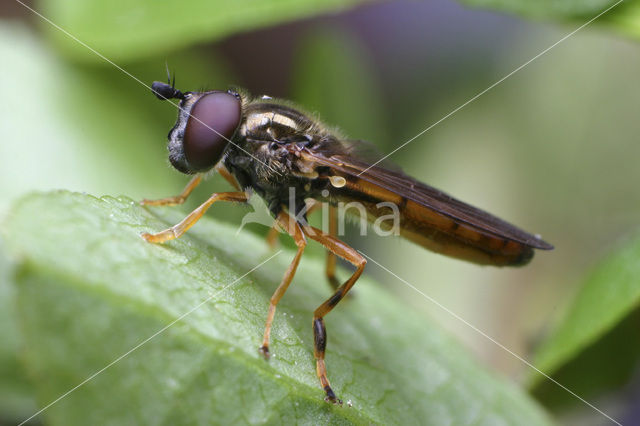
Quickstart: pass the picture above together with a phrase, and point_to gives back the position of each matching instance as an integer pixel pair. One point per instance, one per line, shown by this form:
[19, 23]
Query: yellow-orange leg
[227, 176]
[349, 254]
[331, 257]
[272, 235]
[177, 230]
[288, 223]
[178, 199]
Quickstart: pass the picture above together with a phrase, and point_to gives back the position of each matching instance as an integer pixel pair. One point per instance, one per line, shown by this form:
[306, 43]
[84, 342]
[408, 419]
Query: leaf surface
[122, 30]
[90, 289]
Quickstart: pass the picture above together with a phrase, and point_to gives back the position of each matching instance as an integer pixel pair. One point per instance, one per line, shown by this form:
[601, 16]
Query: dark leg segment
[338, 248]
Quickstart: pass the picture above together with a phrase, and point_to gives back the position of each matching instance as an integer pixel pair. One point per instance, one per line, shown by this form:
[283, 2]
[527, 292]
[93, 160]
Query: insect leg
[177, 230]
[331, 257]
[341, 249]
[272, 235]
[177, 199]
[293, 228]
[228, 176]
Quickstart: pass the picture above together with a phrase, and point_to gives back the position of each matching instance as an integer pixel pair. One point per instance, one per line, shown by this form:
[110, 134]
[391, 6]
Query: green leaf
[122, 30]
[607, 297]
[597, 372]
[545, 8]
[16, 393]
[90, 289]
[626, 19]
[623, 17]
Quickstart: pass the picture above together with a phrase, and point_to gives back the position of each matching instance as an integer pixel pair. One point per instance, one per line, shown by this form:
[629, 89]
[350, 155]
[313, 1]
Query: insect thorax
[263, 160]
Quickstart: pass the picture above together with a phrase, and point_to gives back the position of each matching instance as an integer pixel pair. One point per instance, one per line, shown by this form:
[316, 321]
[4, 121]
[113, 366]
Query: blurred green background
[553, 149]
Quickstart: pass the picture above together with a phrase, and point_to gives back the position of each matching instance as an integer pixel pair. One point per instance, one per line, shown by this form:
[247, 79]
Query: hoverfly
[270, 147]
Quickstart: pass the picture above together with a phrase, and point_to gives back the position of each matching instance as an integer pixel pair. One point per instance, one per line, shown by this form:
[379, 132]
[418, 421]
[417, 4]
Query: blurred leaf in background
[546, 8]
[621, 15]
[125, 31]
[599, 333]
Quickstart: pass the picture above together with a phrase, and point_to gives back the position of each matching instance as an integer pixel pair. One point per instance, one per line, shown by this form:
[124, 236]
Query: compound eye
[214, 119]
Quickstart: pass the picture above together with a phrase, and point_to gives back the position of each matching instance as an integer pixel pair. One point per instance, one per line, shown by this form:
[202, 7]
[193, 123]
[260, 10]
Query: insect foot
[264, 350]
[331, 396]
